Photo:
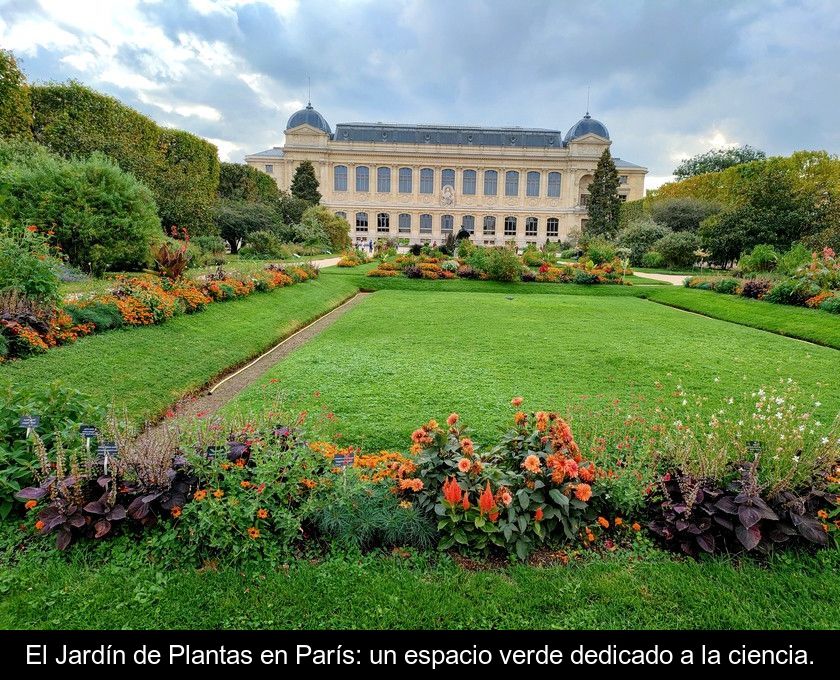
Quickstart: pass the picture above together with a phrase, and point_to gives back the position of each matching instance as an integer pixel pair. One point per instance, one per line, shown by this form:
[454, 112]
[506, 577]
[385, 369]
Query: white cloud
[227, 149]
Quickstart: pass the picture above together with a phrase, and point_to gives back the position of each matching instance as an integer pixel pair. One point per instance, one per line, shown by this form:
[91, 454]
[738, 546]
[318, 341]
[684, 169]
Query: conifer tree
[305, 184]
[604, 203]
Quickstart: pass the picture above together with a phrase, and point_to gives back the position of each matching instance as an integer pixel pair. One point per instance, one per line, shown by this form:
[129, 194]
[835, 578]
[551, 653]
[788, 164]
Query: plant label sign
[88, 431]
[30, 422]
[754, 447]
[107, 449]
[344, 459]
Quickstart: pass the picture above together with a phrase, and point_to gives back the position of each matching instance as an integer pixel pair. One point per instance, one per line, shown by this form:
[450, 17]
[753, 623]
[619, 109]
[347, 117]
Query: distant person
[370, 245]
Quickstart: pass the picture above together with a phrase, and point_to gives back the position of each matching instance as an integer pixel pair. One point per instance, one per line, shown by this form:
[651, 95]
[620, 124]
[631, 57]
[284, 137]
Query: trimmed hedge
[181, 169]
[15, 105]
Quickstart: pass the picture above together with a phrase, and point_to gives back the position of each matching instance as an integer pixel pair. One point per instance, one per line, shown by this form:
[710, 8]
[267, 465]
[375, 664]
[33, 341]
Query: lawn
[401, 358]
[144, 370]
[603, 592]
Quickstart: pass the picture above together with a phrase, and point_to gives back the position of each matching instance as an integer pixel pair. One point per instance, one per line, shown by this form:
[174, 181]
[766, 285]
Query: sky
[669, 78]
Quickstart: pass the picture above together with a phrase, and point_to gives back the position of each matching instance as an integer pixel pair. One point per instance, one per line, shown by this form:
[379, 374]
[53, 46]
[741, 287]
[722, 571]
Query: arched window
[447, 176]
[468, 188]
[510, 226]
[405, 181]
[383, 180]
[532, 186]
[341, 214]
[362, 178]
[491, 180]
[511, 183]
[554, 184]
[405, 223]
[361, 221]
[468, 222]
[425, 224]
[383, 223]
[489, 225]
[447, 222]
[531, 226]
[427, 181]
[340, 178]
[552, 227]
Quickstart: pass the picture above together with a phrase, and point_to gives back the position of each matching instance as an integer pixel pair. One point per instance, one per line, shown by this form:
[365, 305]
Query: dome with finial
[308, 116]
[586, 126]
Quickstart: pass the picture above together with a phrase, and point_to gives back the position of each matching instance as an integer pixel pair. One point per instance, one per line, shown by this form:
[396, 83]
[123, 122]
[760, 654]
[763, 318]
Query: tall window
[447, 222]
[340, 178]
[468, 189]
[510, 226]
[532, 186]
[383, 180]
[447, 177]
[554, 184]
[270, 169]
[361, 222]
[341, 214]
[383, 223]
[584, 200]
[425, 224]
[622, 179]
[362, 178]
[531, 226]
[405, 180]
[468, 222]
[491, 180]
[489, 225]
[552, 227]
[427, 181]
[511, 183]
[405, 223]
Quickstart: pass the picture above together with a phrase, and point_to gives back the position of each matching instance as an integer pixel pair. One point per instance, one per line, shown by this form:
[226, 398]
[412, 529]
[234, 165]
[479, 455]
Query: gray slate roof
[275, 152]
[459, 135]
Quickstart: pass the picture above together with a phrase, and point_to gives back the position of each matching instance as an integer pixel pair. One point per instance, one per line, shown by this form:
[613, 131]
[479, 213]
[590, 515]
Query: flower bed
[28, 328]
[815, 285]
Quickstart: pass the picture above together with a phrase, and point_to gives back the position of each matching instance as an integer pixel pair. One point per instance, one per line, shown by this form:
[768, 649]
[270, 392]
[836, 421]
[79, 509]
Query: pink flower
[516, 402]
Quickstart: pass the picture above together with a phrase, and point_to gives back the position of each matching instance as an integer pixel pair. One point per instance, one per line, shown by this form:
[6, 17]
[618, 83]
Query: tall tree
[15, 103]
[240, 182]
[604, 203]
[717, 160]
[305, 184]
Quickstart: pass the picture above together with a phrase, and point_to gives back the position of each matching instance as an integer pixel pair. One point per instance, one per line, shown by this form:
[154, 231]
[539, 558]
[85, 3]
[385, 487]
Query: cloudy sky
[669, 79]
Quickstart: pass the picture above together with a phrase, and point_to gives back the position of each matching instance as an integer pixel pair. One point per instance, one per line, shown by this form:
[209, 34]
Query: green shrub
[336, 229]
[600, 250]
[503, 264]
[585, 278]
[762, 258]
[639, 237]
[206, 250]
[569, 253]
[793, 259]
[309, 232]
[15, 103]
[27, 266]
[241, 182]
[102, 217]
[791, 292]
[653, 260]
[234, 220]
[532, 257]
[678, 249]
[831, 305]
[4, 347]
[102, 315]
[727, 286]
[264, 245]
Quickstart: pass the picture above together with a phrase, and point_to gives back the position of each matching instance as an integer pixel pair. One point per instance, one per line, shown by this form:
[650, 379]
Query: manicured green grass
[610, 592]
[144, 370]
[403, 357]
[813, 325]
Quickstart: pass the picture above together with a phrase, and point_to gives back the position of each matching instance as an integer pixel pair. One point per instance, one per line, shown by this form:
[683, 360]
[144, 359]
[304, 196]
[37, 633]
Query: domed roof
[308, 116]
[585, 126]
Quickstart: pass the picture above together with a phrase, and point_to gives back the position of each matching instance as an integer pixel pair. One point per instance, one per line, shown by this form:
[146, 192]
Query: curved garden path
[673, 279]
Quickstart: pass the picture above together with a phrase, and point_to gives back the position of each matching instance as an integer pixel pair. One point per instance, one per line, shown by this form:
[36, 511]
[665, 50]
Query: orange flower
[452, 419]
[507, 499]
[636, 526]
[516, 402]
[493, 516]
[31, 504]
[583, 492]
[253, 533]
[542, 421]
[245, 484]
[822, 514]
[604, 522]
[464, 465]
[175, 512]
[32, 228]
[225, 466]
[520, 418]
[465, 503]
[538, 515]
[414, 484]
[309, 483]
[532, 464]
[218, 494]
[486, 503]
[452, 492]
[618, 521]
[200, 495]
[431, 425]
[262, 513]
[467, 446]
[586, 473]
[240, 463]
[571, 467]
[39, 525]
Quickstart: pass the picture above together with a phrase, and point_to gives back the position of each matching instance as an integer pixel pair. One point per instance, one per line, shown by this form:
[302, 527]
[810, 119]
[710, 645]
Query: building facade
[418, 183]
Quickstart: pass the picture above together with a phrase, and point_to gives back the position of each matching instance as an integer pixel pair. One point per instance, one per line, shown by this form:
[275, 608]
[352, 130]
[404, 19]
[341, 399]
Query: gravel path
[673, 279]
[226, 388]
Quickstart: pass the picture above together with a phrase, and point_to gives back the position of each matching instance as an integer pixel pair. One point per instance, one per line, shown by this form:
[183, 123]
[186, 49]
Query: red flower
[486, 503]
[452, 492]
[538, 515]
[465, 503]
[516, 402]
[452, 419]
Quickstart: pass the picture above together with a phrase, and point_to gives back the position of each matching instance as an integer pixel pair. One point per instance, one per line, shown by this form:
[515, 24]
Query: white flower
[717, 379]
[817, 404]
[740, 422]
[779, 401]
[824, 440]
[730, 400]
[684, 402]
[779, 415]
[796, 459]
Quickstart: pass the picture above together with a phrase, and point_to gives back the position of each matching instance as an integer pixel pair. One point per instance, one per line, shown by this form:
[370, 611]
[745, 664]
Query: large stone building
[422, 182]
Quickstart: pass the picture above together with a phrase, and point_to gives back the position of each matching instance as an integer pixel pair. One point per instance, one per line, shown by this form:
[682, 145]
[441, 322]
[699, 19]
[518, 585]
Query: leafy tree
[15, 104]
[678, 249]
[291, 208]
[604, 203]
[682, 214]
[640, 237]
[236, 219]
[240, 182]
[717, 160]
[724, 237]
[337, 229]
[305, 184]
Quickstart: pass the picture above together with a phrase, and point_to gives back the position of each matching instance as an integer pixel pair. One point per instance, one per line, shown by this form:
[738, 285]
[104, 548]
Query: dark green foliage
[831, 305]
[653, 260]
[27, 266]
[305, 184]
[236, 219]
[181, 170]
[15, 104]
[682, 214]
[723, 236]
[762, 258]
[240, 182]
[104, 316]
[639, 237]
[727, 286]
[717, 160]
[791, 292]
[502, 264]
[336, 229]
[264, 245]
[604, 203]
[678, 249]
[291, 208]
